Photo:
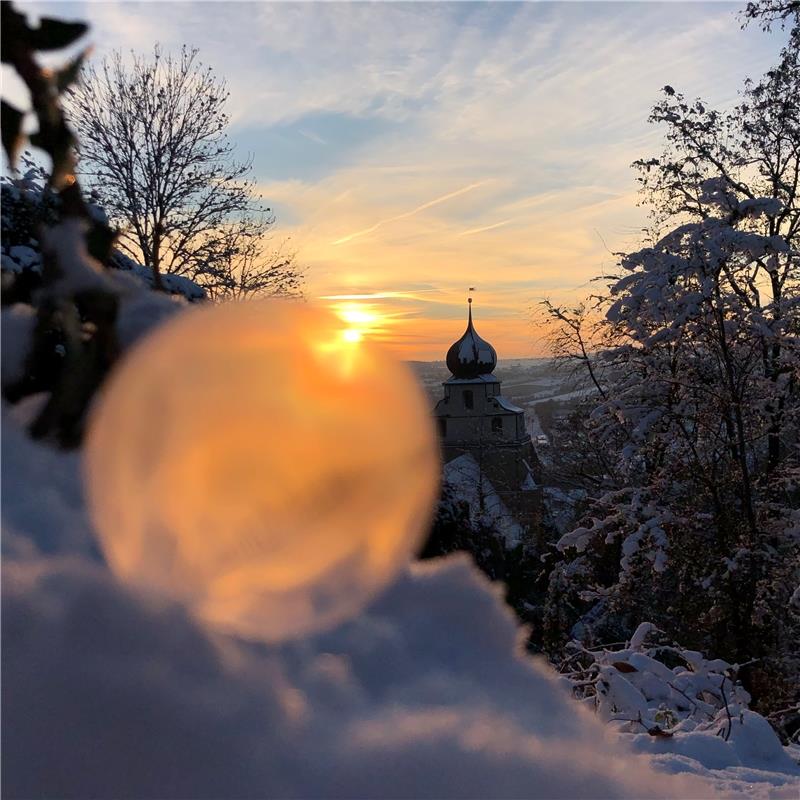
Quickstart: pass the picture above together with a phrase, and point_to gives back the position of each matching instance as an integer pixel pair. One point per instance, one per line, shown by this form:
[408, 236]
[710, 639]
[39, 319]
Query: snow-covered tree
[696, 357]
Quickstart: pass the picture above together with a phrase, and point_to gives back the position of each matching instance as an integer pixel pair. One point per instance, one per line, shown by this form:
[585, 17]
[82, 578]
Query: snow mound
[109, 694]
[112, 693]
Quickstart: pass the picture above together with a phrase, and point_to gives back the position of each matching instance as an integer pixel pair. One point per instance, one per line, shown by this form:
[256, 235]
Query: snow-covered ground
[426, 694]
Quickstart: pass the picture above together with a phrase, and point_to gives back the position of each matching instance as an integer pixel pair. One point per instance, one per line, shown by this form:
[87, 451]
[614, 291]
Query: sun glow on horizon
[363, 320]
[352, 335]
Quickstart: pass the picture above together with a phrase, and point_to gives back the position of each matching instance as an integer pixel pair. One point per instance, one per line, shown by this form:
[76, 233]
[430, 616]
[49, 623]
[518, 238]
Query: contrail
[310, 135]
[366, 296]
[407, 214]
[381, 296]
[485, 228]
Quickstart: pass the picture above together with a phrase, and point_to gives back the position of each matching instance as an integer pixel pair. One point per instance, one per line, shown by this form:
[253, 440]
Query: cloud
[311, 136]
[485, 228]
[548, 246]
[407, 214]
[547, 102]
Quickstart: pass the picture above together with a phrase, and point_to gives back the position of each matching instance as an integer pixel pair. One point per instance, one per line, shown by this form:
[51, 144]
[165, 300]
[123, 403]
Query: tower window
[442, 427]
[497, 424]
[468, 399]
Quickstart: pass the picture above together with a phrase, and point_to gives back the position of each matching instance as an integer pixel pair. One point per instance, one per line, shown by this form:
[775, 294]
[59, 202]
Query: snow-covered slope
[426, 694]
[486, 508]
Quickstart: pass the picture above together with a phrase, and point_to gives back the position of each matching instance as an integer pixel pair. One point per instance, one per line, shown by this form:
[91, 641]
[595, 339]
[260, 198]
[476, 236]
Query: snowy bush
[62, 308]
[633, 686]
[649, 688]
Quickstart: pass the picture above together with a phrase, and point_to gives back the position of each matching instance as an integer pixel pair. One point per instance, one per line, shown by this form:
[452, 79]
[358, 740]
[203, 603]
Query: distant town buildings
[484, 441]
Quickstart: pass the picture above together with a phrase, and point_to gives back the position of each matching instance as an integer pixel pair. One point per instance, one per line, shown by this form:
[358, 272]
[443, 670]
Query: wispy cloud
[472, 231]
[311, 136]
[424, 207]
[419, 295]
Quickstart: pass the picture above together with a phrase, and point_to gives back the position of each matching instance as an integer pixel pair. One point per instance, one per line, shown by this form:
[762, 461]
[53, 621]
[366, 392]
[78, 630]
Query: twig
[727, 710]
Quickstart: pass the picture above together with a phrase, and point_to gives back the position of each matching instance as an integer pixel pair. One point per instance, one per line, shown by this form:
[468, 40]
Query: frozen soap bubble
[263, 465]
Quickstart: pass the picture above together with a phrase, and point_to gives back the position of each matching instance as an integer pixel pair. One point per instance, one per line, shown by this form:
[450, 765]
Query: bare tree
[153, 148]
[248, 266]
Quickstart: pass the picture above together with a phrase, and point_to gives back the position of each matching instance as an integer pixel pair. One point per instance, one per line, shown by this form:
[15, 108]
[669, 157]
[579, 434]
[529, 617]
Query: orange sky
[411, 269]
[379, 317]
[411, 150]
[486, 146]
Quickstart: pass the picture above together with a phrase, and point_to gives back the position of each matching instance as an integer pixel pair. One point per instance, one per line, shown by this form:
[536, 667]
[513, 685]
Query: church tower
[475, 419]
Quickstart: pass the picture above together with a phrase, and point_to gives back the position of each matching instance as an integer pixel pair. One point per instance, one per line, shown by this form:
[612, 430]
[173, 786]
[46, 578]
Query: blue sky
[412, 150]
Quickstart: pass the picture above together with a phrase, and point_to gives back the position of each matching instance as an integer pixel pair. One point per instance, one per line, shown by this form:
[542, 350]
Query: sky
[413, 150]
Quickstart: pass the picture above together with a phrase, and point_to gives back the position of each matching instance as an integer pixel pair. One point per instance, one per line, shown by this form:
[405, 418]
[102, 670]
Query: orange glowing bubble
[258, 463]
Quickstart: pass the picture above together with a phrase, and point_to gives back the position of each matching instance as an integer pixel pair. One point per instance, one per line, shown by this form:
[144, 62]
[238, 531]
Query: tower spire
[471, 356]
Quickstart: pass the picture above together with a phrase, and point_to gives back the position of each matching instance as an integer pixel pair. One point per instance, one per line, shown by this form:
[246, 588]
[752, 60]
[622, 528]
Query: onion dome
[471, 356]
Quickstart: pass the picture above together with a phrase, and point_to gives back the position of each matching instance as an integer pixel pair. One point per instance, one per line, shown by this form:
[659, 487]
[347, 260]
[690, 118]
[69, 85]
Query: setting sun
[362, 319]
